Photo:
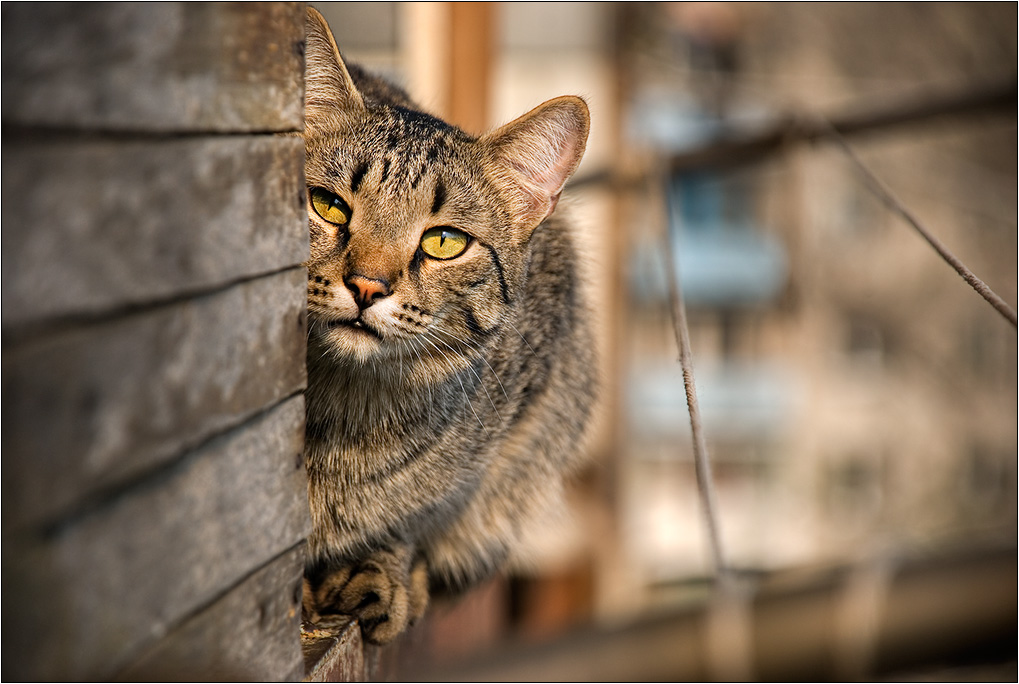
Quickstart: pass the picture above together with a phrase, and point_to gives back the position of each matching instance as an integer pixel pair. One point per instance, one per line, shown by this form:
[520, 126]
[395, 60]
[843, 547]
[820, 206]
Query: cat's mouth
[356, 324]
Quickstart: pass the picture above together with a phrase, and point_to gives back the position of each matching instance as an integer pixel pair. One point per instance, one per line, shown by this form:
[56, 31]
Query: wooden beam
[739, 149]
[743, 149]
[109, 584]
[152, 221]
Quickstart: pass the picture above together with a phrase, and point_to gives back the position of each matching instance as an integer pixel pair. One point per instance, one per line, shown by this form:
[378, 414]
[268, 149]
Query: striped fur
[444, 412]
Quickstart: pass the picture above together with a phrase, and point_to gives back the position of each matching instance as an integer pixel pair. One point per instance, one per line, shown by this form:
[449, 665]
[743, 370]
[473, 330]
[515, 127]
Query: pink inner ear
[546, 157]
[540, 150]
[541, 189]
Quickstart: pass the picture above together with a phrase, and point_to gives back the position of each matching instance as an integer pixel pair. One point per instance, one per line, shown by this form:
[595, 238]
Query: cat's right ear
[533, 156]
[329, 92]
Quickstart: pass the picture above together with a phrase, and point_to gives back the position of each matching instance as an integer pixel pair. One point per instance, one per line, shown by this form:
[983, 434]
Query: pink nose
[367, 290]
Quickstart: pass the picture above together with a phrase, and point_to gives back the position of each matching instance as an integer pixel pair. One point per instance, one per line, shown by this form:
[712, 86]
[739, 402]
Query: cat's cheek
[329, 301]
[484, 315]
[402, 327]
[381, 316]
[338, 306]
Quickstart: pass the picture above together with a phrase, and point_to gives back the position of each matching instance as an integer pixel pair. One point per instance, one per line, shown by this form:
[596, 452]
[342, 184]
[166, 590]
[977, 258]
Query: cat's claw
[381, 592]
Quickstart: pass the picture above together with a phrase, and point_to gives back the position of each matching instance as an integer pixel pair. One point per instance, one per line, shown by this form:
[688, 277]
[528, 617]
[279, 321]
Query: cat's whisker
[477, 347]
[510, 324]
[481, 382]
[453, 369]
[399, 359]
[428, 384]
[443, 356]
[456, 375]
[481, 354]
[470, 366]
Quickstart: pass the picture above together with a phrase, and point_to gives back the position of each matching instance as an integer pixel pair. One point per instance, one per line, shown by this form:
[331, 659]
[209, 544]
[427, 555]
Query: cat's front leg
[386, 592]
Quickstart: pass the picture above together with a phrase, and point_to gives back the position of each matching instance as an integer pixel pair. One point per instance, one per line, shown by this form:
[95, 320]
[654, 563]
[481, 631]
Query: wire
[702, 463]
[885, 195]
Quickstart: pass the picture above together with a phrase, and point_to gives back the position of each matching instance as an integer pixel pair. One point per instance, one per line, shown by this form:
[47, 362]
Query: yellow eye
[330, 207]
[444, 242]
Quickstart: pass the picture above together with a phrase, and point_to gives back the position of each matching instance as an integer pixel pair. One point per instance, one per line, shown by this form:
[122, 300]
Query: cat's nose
[367, 290]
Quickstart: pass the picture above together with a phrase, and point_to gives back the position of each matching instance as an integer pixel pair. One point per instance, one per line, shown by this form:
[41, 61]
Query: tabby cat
[450, 362]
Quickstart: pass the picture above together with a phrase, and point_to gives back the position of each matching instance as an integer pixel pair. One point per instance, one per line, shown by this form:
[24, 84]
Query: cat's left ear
[533, 156]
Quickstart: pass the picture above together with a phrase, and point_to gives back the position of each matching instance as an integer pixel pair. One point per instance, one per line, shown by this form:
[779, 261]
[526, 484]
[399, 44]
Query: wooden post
[425, 46]
[470, 66]
[448, 54]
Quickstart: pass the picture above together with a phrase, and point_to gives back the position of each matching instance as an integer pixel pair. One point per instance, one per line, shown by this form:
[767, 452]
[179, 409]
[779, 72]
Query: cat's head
[420, 232]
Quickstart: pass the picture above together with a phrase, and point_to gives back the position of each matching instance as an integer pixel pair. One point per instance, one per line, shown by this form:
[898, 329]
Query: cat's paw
[381, 591]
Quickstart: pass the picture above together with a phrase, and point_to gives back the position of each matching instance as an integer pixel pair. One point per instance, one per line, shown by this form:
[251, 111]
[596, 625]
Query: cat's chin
[357, 328]
[352, 340]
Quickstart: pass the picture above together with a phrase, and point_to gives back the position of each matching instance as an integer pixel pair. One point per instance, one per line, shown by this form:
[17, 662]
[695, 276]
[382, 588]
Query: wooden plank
[334, 655]
[87, 597]
[90, 408]
[250, 634]
[162, 67]
[452, 629]
[93, 226]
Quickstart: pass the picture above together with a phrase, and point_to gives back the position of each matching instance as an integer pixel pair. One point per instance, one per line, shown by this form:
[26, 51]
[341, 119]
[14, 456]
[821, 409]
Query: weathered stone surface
[86, 410]
[88, 596]
[92, 227]
[250, 634]
[163, 67]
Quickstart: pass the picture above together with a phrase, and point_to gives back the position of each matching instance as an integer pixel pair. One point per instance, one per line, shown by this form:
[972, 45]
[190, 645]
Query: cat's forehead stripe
[359, 172]
[417, 178]
[440, 196]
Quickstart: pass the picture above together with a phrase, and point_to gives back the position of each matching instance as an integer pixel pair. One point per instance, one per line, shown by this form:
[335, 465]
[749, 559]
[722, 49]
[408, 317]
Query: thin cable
[884, 194]
[702, 463]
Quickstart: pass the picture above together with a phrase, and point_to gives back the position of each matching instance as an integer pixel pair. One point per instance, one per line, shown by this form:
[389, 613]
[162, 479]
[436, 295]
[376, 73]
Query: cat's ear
[533, 156]
[329, 92]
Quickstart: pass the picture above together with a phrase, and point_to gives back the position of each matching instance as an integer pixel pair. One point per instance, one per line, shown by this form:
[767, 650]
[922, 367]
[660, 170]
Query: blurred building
[857, 394]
